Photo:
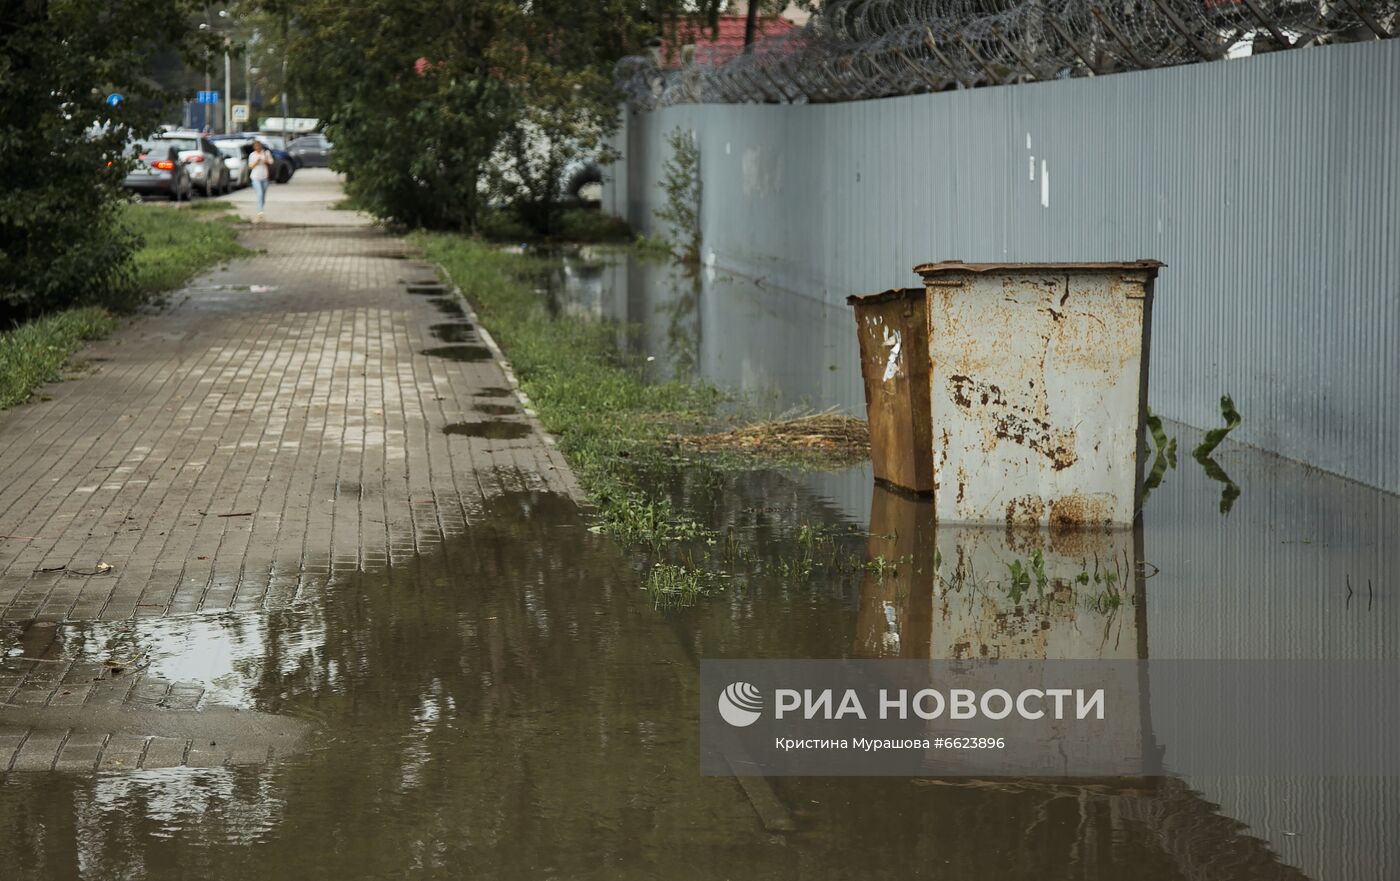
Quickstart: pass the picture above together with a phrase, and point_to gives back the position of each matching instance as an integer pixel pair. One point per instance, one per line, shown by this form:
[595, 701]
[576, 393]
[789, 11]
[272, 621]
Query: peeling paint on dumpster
[1038, 387]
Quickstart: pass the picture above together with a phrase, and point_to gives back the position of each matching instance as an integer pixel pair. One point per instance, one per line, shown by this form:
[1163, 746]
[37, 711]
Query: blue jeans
[260, 187]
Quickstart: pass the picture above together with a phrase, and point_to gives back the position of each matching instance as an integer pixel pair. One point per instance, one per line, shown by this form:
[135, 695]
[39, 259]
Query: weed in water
[675, 585]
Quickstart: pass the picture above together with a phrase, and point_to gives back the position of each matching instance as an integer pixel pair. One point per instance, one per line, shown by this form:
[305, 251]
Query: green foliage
[60, 237]
[592, 225]
[32, 354]
[1216, 435]
[675, 585]
[681, 182]
[441, 109]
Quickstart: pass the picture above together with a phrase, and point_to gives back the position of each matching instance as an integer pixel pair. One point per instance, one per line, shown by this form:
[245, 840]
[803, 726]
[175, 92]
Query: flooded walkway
[434, 668]
[282, 423]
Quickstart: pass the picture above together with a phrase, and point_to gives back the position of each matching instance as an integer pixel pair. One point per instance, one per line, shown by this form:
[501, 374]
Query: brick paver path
[277, 424]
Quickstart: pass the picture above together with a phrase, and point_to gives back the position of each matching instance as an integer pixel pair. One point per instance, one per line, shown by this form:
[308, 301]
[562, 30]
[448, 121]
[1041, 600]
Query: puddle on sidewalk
[492, 391]
[459, 353]
[496, 409]
[495, 429]
[448, 306]
[460, 332]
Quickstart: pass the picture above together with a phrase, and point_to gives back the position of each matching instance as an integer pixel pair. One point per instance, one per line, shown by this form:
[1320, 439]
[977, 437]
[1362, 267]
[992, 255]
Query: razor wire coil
[857, 49]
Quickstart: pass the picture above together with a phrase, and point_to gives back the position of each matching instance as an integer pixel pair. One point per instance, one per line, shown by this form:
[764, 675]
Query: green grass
[674, 585]
[34, 353]
[611, 423]
[175, 248]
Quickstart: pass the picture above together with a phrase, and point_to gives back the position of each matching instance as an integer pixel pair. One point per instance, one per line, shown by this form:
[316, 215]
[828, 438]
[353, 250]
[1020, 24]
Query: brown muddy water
[515, 705]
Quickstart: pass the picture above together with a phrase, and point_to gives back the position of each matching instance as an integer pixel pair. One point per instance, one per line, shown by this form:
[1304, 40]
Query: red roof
[715, 48]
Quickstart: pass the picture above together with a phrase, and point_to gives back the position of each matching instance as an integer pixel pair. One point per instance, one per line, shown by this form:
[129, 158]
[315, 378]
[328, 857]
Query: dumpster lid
[891, 294]
[927, 269]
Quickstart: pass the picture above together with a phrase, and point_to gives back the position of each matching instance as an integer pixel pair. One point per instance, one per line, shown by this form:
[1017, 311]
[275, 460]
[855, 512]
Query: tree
[438, 108]
[61, 163]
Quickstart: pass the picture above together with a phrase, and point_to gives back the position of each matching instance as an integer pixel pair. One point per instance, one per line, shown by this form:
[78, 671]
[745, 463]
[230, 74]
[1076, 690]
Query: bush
[61, 167]
[32, 354]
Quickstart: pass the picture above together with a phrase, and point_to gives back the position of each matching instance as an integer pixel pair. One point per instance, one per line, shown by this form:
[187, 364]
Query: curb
[498, 355]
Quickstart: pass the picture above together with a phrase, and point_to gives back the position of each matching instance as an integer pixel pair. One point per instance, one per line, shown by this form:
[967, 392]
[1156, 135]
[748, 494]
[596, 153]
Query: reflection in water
[512, 706]
[969, 592]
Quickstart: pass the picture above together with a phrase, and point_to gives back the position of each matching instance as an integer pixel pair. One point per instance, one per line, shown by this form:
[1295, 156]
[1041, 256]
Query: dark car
[311, 151]
[283, 165]
[157, 171]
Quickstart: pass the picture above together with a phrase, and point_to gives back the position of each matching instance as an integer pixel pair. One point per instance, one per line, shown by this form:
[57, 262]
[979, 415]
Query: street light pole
[228, 91]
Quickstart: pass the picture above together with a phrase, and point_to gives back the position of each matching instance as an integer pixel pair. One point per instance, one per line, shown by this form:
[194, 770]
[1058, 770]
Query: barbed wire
[855, 49]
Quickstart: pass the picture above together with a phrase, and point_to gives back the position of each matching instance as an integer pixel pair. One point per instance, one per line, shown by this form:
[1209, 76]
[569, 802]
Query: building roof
[717, 47]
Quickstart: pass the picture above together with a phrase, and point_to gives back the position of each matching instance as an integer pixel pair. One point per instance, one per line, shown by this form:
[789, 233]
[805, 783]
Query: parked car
[283, 165]
[236, 158]
[205, 162]
[311, 151]
[158, 170]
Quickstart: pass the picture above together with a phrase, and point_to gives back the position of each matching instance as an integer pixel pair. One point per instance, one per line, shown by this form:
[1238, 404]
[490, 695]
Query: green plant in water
[680, 180]
[883, 567]
[1216, 435]
[1202, 454]
[1165, 456]
[633, 518]
[674, 584]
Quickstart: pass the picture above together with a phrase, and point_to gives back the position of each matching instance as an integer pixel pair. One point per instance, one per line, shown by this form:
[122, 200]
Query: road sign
[114, 99]
[210, 96]
[240, 113]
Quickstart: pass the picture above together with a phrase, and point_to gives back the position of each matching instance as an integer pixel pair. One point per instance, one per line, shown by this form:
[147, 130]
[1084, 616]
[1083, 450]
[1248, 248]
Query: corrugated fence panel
[1270, 185]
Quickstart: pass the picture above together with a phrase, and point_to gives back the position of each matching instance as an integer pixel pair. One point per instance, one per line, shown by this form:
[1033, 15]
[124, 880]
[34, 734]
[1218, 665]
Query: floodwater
[513, 704]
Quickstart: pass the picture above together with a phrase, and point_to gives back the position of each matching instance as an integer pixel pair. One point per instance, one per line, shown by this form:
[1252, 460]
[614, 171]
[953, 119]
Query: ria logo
[741, 704]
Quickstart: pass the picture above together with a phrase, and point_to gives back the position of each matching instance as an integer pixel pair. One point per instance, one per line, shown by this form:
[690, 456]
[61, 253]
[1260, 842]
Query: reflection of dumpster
[1038, 387]
[893, 333]
[1016, 596]
[896, 595]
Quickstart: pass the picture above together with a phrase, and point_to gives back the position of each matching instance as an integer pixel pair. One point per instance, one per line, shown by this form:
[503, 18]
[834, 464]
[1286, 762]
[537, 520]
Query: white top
[259, 163]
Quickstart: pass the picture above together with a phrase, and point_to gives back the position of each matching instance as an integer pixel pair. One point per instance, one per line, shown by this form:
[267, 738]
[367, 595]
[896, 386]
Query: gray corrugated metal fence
[1270, 185]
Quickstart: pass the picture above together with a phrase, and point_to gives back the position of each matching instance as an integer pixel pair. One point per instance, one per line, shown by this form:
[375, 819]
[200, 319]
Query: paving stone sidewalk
[279, 423]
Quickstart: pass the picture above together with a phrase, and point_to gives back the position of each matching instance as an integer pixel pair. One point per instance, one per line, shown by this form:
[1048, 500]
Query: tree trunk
[750, 25]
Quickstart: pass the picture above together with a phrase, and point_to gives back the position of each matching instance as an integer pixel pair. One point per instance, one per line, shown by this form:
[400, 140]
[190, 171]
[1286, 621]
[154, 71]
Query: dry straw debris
[826, 435]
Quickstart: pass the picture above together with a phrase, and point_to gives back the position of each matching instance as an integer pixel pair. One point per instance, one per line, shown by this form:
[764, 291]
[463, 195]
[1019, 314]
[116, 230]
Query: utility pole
[286, 105]
[228, 91]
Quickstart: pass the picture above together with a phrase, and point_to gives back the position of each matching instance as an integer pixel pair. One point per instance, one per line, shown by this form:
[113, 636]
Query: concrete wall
[1270, 185]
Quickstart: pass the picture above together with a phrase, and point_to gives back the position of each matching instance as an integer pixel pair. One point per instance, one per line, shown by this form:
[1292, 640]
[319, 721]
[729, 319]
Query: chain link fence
[857, 49]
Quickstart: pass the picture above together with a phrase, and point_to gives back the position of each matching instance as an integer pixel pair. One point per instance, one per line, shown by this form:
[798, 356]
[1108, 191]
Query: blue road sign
[114, 99]
[209, 97]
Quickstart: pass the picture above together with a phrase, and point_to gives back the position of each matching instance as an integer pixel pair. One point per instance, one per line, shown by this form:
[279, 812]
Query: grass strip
[35, 352]
[174, 248]
[612, 424]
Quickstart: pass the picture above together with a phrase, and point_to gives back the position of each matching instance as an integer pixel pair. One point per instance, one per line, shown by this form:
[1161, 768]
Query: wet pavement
[509, 702]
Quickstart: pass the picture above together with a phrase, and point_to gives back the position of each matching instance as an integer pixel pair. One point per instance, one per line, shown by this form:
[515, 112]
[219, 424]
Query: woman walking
[259, 163]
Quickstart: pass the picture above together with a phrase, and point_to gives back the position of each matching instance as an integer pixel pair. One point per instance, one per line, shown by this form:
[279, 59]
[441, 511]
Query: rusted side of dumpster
[1038, 385]
[892, 328]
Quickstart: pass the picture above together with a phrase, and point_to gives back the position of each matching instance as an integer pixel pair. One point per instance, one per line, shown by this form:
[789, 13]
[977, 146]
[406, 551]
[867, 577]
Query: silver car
[204, 161]
[157, 170]
[235, 155]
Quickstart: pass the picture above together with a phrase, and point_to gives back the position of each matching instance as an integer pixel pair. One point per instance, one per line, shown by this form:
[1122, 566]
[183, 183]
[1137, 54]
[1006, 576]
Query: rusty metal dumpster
[1038, 388]
[893, 331]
